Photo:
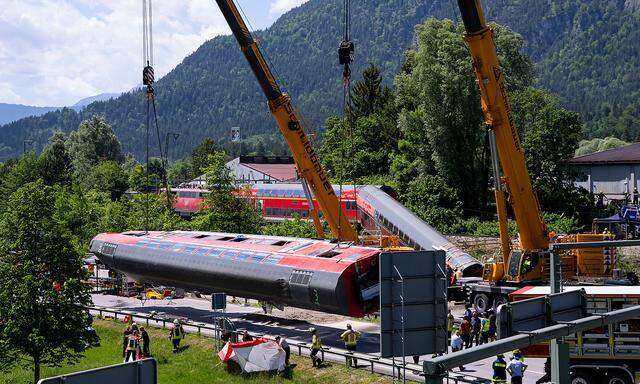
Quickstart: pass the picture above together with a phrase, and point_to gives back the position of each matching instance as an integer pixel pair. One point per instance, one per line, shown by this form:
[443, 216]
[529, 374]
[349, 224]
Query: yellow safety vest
[315, 342]
[485, 325]
[350, 337]
[131, 344]
[450, 324]
[176, 333]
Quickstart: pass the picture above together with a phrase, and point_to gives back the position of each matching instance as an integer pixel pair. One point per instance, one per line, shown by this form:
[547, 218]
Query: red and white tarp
[254, 356]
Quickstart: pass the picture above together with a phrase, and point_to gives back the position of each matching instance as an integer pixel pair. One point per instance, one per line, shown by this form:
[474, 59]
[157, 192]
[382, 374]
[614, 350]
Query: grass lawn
[196, 364]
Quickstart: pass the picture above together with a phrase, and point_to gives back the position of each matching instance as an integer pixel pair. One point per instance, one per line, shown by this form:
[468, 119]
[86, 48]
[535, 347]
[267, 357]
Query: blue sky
[55, 52]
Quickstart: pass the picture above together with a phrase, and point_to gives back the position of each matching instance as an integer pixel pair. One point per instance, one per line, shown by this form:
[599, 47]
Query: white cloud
[55, 52]
[279, 7]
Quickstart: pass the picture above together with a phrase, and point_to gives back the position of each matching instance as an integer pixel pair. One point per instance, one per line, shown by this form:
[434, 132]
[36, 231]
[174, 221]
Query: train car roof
[323, 251]
[603, 291]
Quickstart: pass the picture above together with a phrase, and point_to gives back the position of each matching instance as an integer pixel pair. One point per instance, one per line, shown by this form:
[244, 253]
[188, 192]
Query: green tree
[92, 142]
[107, 176]
[41, 288]
[550, 136]
[296, 227]
[360, 145]
[369, 95]
[180, 171]
[200, 156]
[148, 211]
[442, 126]
[586, 147]
[15, 174]
[223, 210]
[434, 201]
[55, 162]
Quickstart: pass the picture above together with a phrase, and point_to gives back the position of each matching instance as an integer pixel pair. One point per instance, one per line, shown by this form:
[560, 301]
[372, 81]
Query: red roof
[280, 172]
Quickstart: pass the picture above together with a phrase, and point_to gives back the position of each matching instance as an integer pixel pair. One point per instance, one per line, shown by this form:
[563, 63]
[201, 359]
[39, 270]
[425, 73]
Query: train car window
[226, 238]
[280, 243]
[243, 256]
[202, 251]
[239, 239]
[200, 236]
[189, 248]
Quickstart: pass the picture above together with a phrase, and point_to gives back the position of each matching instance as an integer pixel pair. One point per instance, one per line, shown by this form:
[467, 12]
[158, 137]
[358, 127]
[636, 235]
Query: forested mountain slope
[585, 50]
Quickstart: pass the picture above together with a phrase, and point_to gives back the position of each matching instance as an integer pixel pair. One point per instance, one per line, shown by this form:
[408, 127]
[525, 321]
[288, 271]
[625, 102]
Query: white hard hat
[176, 321]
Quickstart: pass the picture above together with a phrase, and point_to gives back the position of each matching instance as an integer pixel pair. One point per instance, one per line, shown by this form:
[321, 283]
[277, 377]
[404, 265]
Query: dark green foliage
[295, 227]
[550, 136]
[361, 144]
[442, 126]
[41, 289]
[596, 145]
[180, 171]
[55, 162]
[434, 202]
[93, 141]
[107, 176]
[200, 156]
[223, 210]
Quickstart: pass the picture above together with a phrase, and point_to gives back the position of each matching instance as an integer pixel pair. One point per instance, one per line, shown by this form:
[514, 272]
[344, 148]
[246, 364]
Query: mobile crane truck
[527, 264]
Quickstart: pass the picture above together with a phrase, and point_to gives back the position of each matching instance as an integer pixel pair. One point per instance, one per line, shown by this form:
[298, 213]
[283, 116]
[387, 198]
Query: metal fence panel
[540, 312]
[137, 372]
[413, 287]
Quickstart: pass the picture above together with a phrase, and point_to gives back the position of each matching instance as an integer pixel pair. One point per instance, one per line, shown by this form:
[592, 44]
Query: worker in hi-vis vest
[316, 346]
[177, 334]
[350, 338]
[132, 347]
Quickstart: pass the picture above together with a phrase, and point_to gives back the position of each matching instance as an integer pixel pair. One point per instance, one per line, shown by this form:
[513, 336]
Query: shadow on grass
[232, 368]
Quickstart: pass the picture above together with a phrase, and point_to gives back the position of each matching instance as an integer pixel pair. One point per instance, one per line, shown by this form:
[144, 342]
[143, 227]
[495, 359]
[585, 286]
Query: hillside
[586, 51]
[13, 112]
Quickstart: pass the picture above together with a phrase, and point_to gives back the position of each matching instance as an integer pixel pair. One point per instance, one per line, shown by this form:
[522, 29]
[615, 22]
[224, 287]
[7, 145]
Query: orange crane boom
[306, 159]
[498, 116]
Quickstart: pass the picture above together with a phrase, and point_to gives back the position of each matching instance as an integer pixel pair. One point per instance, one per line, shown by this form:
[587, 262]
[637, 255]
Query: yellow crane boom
[498, 116]
[306, 159]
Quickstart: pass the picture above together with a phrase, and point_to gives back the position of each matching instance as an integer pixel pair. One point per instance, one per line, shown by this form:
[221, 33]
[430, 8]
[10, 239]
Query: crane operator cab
[526, 266]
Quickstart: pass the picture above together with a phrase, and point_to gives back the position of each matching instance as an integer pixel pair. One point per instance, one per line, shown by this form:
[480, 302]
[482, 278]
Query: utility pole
[558, 350]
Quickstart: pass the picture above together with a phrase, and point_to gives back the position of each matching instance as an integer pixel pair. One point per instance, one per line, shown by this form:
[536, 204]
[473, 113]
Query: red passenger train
[304, 273]
[276, 201]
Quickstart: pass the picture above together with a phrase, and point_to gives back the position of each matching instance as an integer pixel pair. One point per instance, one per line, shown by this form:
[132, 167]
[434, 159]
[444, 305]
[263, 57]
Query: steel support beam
[437, 368]
[593, 244]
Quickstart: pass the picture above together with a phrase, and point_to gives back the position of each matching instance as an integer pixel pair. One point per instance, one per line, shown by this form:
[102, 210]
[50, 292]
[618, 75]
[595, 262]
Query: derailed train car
[312, 274]
[379, 211]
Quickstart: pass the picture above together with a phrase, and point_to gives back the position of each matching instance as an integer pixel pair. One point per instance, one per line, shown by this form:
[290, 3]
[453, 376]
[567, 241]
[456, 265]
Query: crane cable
[148, 78]
[346, 51]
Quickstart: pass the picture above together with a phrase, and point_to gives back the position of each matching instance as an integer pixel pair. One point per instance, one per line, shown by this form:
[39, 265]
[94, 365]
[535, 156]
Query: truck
[528, 262]
[609, 355]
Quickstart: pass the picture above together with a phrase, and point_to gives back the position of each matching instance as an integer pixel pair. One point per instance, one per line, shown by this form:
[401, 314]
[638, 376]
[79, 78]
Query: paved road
[252, 319]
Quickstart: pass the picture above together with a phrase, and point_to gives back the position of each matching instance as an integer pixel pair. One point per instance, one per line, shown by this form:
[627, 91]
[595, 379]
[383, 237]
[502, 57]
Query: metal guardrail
[374, 363]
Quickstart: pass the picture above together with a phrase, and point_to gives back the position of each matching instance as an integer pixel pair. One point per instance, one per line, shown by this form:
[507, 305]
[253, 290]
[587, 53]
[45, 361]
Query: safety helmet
[312, 330]
[516, 352]
[500, 355]
[348, 326]
[176, 322]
